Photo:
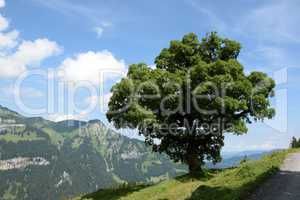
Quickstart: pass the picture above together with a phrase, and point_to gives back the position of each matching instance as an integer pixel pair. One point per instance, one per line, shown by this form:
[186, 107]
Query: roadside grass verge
[229, 184]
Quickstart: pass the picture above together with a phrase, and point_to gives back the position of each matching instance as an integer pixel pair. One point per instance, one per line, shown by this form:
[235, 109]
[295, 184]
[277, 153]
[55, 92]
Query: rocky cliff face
[40, 159]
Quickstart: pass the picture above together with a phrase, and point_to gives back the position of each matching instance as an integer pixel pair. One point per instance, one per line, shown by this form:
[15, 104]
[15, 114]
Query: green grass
[113, 193]
[18, 138]
[55, 137]
[230, 184]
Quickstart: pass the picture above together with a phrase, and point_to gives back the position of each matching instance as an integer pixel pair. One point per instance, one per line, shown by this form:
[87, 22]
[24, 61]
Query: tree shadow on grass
[206, 175]
[114, 193]
[209, 193]
[219, 192]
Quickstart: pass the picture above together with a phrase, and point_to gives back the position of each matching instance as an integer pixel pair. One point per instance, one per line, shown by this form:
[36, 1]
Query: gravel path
[283, 186]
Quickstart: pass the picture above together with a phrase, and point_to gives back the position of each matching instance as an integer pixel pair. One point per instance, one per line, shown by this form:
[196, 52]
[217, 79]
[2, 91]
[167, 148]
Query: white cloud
[2, 3]
[34, 52]
[99, 31]
[152, 66]
[99, 100]
[57, 117]
[8, 40]
[3, 23]
[10, 68]
[15, 56]
[89, 66]
[27, 54]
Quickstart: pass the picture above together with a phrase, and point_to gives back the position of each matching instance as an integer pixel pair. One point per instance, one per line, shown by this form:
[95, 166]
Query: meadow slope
[229, 184]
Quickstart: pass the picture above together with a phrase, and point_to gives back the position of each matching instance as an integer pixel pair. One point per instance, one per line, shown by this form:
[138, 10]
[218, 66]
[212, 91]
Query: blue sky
[80, 37]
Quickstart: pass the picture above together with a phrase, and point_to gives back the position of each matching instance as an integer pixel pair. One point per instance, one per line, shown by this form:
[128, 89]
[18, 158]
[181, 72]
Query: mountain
[41, 159]
[233, 159]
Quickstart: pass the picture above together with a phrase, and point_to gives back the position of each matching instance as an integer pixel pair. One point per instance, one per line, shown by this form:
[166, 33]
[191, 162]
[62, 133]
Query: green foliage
[229, 184]
[295, 143]
[18, 138]
[245, 159]
[55, 138]
[197, 92]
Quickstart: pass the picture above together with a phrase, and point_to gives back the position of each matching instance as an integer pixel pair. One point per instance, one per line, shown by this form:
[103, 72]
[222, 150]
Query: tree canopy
[295, 143]
[197, 92]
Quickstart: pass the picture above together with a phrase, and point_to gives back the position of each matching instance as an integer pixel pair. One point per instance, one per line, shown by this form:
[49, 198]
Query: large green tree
[197, 92]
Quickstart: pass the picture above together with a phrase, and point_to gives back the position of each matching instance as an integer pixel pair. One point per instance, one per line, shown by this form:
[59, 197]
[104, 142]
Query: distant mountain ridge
[234, 159]
[68, 158]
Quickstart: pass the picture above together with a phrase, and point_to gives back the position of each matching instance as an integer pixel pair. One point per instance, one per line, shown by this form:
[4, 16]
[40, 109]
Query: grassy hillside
[229, 184]
[80, 157]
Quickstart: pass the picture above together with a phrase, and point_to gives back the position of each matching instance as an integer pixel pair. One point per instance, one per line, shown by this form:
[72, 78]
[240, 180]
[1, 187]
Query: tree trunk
[194, 164]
